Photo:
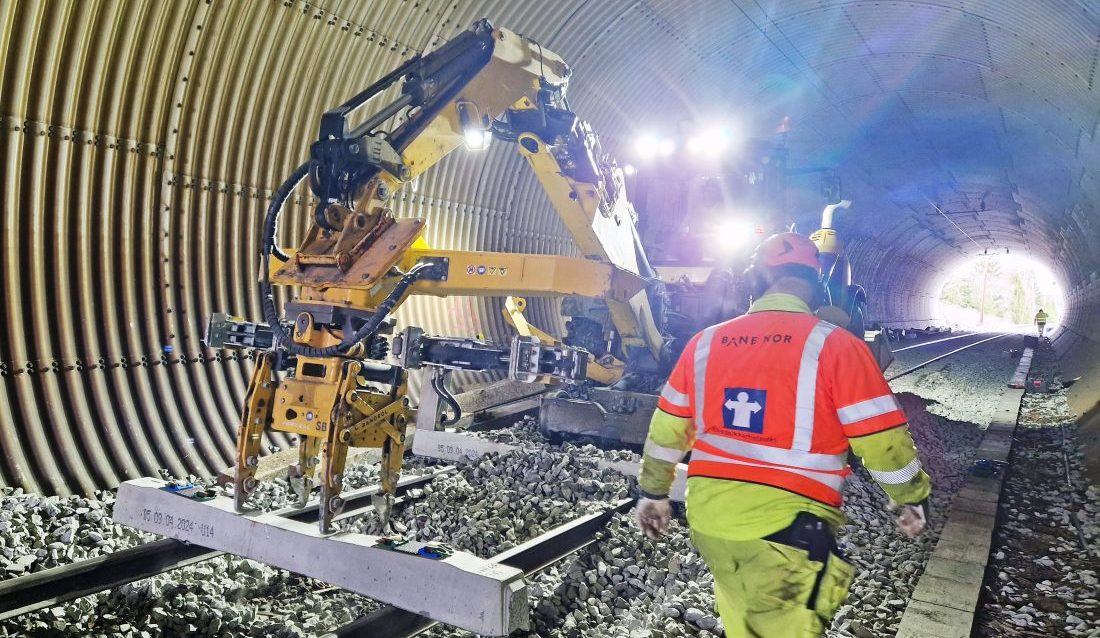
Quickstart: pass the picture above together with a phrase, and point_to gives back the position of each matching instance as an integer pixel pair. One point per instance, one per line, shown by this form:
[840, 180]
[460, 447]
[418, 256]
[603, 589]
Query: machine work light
[476, 132]
[646, 145]
[735, 234]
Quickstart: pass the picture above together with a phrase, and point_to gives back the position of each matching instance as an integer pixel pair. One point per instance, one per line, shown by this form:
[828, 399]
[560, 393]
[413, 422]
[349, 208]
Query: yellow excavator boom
[358, 262]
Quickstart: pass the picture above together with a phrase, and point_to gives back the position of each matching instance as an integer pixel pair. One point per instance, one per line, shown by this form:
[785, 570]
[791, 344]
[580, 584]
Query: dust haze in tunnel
[140, 142]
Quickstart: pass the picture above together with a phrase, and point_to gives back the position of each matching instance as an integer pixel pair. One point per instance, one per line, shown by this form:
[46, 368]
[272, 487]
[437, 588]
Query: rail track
[61, 584]
[530, 557]
[54, 586]
[936, 358]
[923, 344]
[67, 582]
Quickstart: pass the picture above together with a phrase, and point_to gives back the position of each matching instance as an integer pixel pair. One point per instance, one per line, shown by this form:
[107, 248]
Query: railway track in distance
[936, 358]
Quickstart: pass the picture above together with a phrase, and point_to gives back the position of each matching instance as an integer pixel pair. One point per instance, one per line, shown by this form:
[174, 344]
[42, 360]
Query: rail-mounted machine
[330, 370]
[325, 371]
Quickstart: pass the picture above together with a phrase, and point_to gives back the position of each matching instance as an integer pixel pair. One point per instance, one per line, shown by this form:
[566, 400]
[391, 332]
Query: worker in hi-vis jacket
[768, 404]
[1041, 321]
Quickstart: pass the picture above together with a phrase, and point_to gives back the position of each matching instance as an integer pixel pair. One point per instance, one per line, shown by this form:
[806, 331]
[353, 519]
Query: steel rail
[928, 343]
[75, 580]
[526, 397]
[948, 354]
[530, 557]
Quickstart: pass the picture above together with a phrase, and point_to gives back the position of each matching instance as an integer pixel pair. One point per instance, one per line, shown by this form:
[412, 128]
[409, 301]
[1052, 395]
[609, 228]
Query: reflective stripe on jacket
[774, 397]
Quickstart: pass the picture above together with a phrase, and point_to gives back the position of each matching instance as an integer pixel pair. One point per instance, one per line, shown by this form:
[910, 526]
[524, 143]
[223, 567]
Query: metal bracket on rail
[190, 490]
[432, 550]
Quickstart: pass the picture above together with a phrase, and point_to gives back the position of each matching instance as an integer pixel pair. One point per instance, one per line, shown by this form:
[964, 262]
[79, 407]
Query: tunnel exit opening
[1001, 291]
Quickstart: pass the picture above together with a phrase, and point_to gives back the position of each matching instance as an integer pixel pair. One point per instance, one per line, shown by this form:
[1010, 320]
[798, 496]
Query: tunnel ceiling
[141, 142]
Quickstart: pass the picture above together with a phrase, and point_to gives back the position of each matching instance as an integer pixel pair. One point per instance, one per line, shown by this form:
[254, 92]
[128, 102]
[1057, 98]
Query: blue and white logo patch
[743, 409]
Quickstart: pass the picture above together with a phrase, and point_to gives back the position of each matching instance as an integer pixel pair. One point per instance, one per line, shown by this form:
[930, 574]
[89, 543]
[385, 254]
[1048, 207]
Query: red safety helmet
[786, 248]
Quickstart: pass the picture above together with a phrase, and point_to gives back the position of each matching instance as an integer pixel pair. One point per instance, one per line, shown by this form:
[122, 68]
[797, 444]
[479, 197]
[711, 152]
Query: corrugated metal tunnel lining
[142, 140]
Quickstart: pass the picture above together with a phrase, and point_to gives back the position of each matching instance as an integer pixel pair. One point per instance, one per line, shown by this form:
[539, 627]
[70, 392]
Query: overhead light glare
[711, 142]
[647, 145]
[477, 139]
[736, 233]
[697, 145]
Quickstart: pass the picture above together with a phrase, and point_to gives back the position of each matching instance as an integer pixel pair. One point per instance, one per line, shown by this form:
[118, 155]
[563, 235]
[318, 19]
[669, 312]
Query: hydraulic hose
[267, 299]
[271, 221]
[439, 384]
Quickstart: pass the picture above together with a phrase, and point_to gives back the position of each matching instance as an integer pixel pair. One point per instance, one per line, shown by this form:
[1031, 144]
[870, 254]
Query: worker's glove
[653, 515]
[912, 518]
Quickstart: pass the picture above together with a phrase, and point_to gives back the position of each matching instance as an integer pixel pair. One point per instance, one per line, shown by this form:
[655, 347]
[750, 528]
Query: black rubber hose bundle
[267, 299]
[271, 222]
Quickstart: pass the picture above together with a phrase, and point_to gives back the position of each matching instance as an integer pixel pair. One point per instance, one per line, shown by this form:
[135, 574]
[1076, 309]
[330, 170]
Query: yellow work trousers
[763, 588]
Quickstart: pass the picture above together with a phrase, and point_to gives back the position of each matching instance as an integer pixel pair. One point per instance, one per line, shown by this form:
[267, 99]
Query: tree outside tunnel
[999, 291]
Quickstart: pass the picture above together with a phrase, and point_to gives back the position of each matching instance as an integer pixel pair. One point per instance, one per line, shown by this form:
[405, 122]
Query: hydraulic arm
[324, 374]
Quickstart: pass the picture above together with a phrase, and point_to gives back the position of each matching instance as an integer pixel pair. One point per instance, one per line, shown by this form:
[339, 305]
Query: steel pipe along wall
[140, 142]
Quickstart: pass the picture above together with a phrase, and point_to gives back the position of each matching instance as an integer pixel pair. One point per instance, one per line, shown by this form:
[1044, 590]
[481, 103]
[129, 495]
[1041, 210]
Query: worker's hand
[653, 515]
[912, 518]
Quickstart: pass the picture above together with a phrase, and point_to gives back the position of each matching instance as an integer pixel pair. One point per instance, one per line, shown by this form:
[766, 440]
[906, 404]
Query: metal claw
[302, 487]
[242, 489]
[240, 499]
[331, 505]
[383, 504]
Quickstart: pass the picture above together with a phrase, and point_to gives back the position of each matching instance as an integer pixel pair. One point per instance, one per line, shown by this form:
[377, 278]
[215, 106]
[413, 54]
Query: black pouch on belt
[811, 534]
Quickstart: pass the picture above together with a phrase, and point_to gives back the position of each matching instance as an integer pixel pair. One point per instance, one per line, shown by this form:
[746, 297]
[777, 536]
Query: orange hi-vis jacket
[775, 397]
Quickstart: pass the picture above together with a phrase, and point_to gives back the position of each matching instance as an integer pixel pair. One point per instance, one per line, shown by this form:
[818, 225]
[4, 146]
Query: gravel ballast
[622, 585]
[1042, 576]
[485, 508]
[964, 386]
[628, 586]
[40, 532]
[225, 596]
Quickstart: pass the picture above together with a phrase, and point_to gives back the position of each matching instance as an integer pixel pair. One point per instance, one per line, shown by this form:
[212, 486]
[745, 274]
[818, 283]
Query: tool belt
[812, 534]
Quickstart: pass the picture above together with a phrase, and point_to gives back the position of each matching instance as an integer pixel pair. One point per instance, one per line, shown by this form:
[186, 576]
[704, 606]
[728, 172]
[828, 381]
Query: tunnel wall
[140, 143]
[1079, 337]
[140, 147]
[1078, 346]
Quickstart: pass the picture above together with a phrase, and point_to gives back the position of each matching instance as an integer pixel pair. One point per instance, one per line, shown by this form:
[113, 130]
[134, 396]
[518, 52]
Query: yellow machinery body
[321, 376]
[357, 260]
